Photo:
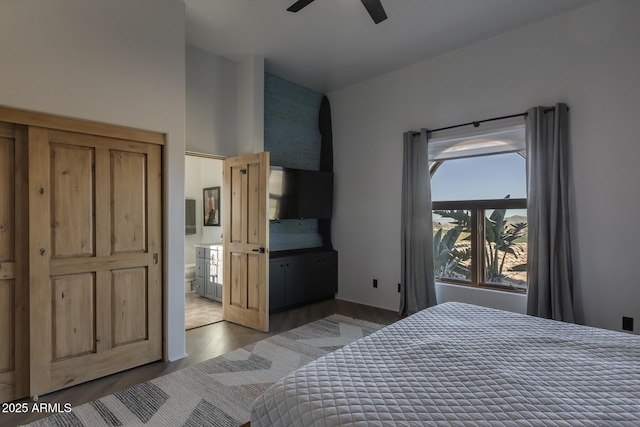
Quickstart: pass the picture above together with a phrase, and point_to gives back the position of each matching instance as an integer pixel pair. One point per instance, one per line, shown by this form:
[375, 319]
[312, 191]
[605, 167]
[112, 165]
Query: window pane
[505, 244]
[503, 136]
[452, 244]
[480, 178]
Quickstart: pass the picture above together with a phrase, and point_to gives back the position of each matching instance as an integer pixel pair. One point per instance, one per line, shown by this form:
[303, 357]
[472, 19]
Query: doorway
[203, 240]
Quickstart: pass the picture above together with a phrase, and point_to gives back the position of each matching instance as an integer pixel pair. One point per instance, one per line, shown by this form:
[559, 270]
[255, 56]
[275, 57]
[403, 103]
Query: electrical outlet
[375, 283]
[627, 323]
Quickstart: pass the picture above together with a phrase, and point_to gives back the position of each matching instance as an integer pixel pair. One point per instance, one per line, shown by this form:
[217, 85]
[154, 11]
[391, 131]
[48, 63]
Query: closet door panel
[7, 325]
[100, 285]
[128, 201]
[7, 186]
[129, 305]
[7, 257]
[13, 295]
[80, 251]
[7, 342]
[73, 315]
[73, 213]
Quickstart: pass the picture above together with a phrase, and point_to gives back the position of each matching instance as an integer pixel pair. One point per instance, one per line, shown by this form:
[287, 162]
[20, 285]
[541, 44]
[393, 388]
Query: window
[480, 220]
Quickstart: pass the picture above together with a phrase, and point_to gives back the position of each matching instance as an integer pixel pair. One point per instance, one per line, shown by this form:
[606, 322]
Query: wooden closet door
[13, 285]
[95, 245]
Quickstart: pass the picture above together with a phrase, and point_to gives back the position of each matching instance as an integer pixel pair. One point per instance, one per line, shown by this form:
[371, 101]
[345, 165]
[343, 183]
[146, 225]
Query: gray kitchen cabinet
[297, 279]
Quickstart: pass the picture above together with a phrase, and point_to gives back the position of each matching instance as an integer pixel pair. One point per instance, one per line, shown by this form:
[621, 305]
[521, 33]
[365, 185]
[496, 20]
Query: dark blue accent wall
[292, 137]
[291, 132]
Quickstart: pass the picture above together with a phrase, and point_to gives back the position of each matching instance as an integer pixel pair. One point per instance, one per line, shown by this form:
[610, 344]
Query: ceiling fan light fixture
[374, 7]
[298, 5]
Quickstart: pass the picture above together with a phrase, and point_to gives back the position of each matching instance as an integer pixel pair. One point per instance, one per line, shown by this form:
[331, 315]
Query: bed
[461, 365]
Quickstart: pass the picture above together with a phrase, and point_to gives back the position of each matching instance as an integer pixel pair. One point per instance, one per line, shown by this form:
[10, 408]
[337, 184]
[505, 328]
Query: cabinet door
[200, 252]
[209, 289]
[216, 259]
[13, 265]
[296, 288]
[218, 292]
[276, 284]
[330, 274]
[209, 278]
[315, 271]
[200, 267]
[95, 239]
[322, 273]
[200, 286]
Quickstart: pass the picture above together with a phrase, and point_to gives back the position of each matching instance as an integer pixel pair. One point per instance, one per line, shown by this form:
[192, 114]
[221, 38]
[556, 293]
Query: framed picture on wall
[211, 205]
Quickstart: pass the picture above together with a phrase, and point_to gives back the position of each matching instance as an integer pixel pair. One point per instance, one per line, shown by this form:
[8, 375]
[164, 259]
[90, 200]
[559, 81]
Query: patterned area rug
[218, 392]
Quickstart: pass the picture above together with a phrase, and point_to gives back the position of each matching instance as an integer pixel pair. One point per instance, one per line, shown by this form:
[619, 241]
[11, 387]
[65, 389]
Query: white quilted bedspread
[462, 365]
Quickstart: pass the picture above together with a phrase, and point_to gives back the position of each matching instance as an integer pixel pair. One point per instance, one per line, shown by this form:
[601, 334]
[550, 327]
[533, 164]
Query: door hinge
[243, 171]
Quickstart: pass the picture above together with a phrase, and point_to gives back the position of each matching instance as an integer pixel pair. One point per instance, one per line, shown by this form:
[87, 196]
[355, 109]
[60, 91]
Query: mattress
[462, 365]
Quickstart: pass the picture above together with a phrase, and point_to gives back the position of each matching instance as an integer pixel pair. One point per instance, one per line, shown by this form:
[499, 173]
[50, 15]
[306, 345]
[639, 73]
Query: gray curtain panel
[550, 292]
[418, 288]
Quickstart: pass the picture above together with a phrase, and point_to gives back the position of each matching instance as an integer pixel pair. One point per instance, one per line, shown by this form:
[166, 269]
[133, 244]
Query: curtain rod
[477, 123]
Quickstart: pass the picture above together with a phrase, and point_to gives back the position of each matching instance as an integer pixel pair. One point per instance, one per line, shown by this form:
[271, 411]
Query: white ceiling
[331, 44]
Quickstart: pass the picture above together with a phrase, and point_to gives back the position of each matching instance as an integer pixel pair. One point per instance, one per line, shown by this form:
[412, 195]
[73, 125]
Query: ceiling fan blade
[299, 5]
[375, 9]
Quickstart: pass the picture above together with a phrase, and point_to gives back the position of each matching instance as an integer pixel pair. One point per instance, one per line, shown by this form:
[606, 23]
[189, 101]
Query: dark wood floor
[202, 344]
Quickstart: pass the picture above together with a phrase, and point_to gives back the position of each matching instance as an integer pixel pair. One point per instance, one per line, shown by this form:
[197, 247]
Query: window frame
[478, 210]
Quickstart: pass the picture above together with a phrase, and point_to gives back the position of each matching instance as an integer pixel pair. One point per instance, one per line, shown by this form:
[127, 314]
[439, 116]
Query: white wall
[250, 104]
[587, 58]
[201, 173]
[224, 104]
[118, 62]
[210, 103]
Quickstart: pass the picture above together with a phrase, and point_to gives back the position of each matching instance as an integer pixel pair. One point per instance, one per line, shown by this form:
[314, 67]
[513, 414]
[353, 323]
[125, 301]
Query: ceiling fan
[374, 7]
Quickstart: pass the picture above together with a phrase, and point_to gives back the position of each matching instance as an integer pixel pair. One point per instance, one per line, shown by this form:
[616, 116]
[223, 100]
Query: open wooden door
[245, 294]
[95, 244]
